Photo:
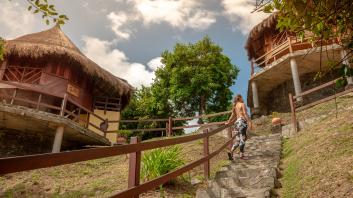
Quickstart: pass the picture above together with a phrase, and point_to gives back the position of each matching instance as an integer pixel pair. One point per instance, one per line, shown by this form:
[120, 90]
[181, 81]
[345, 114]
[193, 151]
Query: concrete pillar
[346, 62]
[255, 96]
[295, 76]
[58, 139]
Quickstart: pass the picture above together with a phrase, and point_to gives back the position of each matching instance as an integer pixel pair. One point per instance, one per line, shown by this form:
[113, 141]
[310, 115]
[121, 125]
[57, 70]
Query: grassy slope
[318, 161]
[101, 178]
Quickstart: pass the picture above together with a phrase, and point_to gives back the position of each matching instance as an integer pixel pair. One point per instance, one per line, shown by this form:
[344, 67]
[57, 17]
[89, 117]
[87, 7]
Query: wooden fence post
[170, 129]
[167, 129]
[252, 67]
[39, 101]
[134, 165]
[206, 152]
[63, 105]
[13, 96]
[294, 118]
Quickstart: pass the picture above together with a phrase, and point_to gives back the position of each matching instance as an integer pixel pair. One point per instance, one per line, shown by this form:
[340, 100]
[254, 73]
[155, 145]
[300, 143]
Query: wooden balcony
[42, 107]
[283, 45]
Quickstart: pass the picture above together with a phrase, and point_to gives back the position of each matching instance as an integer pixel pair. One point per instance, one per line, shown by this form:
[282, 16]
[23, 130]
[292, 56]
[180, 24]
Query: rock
[195, 181]
[276, 128]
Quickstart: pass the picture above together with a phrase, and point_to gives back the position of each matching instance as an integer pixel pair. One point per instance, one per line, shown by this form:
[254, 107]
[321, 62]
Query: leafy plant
[160, 161]
[345, 71]
[47, 10]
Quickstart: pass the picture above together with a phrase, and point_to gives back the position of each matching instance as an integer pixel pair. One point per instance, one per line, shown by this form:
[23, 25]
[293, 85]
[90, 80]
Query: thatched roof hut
[54, 43]
[257, 33]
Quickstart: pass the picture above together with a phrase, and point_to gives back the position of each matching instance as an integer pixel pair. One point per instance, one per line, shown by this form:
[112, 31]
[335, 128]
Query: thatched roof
[257, 31]
[54, 42]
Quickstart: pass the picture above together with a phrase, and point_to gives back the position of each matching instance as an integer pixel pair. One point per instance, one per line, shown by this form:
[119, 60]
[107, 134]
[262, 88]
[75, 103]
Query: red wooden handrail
[332, 82]
[31, 162]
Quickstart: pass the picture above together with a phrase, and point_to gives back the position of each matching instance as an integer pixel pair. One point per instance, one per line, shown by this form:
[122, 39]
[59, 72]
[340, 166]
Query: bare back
[240, 110]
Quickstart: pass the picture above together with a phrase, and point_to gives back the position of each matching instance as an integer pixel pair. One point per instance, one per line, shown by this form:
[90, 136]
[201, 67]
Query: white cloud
[239, 13]
[180, 14]
[116, 62]
[177, 13]
[155, 63]
[118, 20]
[15, 20]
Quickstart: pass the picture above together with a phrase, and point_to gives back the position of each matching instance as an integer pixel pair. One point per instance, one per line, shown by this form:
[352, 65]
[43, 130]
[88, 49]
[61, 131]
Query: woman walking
[240, 119]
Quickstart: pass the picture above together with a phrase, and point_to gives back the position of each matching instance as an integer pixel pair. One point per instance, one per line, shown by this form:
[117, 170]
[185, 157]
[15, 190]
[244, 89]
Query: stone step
[252, 177]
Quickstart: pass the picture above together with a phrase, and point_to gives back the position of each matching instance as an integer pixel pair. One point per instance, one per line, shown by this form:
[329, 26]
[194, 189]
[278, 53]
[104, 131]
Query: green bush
[160, 161]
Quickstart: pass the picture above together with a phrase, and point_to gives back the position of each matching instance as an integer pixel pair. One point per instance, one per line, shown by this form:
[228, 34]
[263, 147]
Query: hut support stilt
[58, 139]
[255, 96]
[295, 76]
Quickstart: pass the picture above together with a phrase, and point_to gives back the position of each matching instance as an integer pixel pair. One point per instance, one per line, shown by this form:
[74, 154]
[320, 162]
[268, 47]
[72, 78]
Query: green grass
[318, 161]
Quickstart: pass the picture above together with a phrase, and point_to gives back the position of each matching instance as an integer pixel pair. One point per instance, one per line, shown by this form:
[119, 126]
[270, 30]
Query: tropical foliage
[195, 78]
[160, 161]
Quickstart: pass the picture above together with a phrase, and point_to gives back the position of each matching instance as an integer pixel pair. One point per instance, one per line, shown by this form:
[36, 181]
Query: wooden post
[167, 129]
[206, 152]
[292, 108]
[290, 45]
[134, 165]
[252, 67]
[63, 105]
[13, 96]
[2, 69]
[170, 126]
[230, 135]
[78, 115]
[39, 101]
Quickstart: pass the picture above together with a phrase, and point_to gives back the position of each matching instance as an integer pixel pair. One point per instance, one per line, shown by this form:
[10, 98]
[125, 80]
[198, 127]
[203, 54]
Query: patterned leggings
[241, 127]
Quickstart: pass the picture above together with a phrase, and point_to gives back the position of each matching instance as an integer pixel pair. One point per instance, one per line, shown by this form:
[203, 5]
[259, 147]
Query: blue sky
[126, 37]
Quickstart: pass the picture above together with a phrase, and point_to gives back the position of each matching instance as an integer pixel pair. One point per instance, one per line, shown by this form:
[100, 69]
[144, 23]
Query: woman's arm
[232, 116]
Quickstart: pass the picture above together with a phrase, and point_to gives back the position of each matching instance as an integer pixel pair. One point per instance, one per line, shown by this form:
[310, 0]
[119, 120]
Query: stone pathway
[253, 177]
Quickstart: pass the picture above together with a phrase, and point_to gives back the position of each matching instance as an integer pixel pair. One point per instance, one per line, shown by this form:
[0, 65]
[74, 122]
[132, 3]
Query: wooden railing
[282, 48]
[297, 104]
[134, 149]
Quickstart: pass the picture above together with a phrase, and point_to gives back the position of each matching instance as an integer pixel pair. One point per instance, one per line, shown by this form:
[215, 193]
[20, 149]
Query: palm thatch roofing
[54, 42]
[257, 32]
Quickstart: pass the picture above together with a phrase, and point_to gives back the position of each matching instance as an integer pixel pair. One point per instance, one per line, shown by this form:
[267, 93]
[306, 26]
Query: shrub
[160, 161]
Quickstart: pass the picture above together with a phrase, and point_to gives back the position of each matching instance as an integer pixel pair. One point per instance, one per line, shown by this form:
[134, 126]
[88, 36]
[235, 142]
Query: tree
[195, 78]
[321, 19]
[48, 12]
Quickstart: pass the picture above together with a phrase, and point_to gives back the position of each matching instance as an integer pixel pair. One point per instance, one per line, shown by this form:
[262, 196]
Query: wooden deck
[279, 71]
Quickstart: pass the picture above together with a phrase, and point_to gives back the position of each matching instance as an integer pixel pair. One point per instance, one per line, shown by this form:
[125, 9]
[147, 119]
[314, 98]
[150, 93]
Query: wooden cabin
[281, 63]
[59, 89]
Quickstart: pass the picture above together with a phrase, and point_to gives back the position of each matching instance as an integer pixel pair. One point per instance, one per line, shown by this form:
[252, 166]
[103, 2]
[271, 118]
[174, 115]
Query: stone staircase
[252, 177]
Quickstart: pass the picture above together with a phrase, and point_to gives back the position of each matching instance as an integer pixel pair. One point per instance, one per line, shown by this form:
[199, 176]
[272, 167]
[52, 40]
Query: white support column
[346, 62]
[255, 96]
[58, 139]
[295, 76]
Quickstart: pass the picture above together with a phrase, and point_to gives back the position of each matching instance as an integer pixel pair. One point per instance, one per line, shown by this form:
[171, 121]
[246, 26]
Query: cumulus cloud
[116, 62]
[180, 14]
[15, 20]
[239, 13]
[118, 20]
[155, 63]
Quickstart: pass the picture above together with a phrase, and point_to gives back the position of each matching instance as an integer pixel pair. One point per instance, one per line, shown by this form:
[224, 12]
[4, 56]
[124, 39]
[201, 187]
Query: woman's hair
[237, 99]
